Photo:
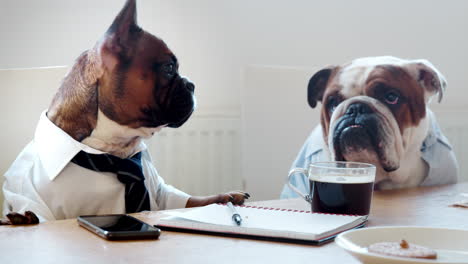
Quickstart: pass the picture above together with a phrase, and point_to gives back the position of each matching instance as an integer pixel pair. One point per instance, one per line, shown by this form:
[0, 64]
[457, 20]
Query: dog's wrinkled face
[140, 85]
[374, 108]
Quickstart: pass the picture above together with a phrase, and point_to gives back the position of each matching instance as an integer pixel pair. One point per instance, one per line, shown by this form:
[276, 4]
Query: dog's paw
[13, 218]
[236, 197]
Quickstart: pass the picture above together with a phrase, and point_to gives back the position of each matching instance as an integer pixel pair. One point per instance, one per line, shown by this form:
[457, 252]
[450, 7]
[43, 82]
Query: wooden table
[65, 242]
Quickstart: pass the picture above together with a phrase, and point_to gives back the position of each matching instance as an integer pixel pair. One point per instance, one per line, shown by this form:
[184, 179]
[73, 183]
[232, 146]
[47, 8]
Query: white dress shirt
[43, 180]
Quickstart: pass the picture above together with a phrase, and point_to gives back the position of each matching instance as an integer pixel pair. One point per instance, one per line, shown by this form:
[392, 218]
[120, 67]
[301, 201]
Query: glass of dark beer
[338, 187]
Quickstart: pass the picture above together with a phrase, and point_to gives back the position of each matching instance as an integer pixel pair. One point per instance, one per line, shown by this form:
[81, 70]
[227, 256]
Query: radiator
[202, 157]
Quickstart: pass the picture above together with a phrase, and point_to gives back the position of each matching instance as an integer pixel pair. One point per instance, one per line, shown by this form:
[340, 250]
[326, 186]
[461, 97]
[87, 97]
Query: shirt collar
[315, 142]
[56, 148]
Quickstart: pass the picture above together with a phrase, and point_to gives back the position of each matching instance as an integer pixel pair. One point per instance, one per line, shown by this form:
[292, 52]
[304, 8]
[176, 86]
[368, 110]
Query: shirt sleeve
[437, 152]
[443, 165]
[162, 196]
[169, 197]
[20, 193]
[299, 181]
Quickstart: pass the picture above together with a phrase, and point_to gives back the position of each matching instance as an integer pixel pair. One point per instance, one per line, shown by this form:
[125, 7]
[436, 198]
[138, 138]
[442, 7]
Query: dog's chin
[355, 143]
[172, 115]
[184, 116]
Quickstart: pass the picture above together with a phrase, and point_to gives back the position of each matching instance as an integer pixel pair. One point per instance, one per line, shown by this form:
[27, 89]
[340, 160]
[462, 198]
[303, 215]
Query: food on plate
[402, 249]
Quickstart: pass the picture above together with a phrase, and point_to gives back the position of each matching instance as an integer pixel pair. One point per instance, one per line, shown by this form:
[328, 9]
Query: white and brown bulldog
[121, 91]
[375, 110]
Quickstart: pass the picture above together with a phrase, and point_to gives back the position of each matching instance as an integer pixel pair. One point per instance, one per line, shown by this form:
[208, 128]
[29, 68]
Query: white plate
[451, 245]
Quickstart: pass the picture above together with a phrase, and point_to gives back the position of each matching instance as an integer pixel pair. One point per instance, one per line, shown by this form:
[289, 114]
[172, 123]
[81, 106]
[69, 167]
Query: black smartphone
[118, 227]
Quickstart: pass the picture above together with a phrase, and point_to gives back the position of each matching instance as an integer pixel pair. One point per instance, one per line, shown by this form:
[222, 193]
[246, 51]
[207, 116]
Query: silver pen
[235, 215]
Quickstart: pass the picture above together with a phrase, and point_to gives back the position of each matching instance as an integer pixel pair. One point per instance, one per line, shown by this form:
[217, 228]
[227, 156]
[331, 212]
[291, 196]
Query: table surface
[65, 242]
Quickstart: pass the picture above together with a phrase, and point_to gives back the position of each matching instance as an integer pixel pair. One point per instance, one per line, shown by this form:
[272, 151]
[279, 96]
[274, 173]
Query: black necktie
[129, 172]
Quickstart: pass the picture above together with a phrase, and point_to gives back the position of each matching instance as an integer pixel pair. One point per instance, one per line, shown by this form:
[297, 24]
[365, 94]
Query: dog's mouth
[350, 135]
[357, 134]
[181, 105]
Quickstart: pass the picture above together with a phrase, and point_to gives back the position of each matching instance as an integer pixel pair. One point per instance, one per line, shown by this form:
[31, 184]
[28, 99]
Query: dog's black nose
[358, 109]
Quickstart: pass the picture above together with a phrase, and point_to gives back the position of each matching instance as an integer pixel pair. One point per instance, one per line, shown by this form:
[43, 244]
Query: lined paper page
[257, 221]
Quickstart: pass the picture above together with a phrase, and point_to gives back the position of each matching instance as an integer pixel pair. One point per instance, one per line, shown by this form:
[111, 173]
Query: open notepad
[261, 222]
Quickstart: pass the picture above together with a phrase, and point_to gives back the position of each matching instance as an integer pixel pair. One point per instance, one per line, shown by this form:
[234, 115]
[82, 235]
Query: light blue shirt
[436, 151]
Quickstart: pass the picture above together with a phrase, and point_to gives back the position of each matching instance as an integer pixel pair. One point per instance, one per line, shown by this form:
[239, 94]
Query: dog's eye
[168, 68]
[392, 98]
[332, 103]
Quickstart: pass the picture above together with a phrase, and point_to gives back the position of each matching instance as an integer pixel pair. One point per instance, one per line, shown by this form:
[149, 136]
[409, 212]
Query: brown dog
[376, 110]
[123, 90]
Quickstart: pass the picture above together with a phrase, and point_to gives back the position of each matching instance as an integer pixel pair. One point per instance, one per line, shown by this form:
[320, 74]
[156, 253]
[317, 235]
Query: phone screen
[114, 223]
[118, 226]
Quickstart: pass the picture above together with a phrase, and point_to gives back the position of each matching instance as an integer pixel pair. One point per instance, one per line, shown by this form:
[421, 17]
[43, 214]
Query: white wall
[216, 41]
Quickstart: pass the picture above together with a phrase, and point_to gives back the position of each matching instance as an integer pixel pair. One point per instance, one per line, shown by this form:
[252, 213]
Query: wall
[217, 42]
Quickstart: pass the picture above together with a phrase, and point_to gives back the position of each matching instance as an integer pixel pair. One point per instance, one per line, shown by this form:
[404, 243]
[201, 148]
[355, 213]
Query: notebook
[261, 223]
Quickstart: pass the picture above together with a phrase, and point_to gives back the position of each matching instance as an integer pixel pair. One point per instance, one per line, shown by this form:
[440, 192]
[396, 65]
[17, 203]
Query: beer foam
[342, 178]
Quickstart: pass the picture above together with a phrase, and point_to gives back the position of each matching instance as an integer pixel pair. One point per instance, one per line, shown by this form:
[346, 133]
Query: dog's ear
[428, 77]
[119, 41]
[317, 84]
